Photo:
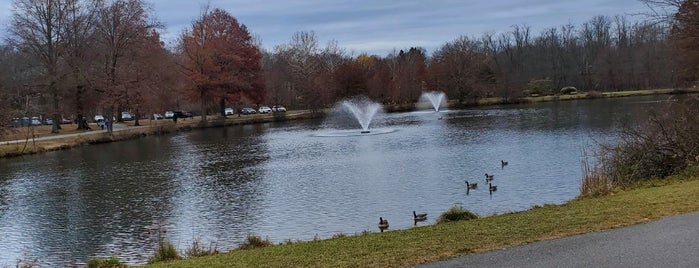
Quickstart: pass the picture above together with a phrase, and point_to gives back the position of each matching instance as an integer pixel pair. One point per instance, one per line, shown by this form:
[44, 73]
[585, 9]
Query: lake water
[296, 180]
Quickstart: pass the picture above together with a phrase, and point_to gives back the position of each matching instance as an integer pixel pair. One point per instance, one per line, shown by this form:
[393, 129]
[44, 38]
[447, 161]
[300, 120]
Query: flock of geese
[383, 223]
[488, 179]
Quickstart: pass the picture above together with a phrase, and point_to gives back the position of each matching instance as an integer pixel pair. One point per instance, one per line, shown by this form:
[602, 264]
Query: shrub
[254, 241]
[540, 87]
[198, 250]
[569, 90]
[664, 145]
[456, 213]
[166, 251]
[106, 263]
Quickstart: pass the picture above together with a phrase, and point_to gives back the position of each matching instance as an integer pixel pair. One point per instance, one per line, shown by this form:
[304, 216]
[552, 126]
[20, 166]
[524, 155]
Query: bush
[197, 250]
[664, 145]
[569, 90]
[106, 263]
[254, 241]
[540, 87]
[166, 251]
[456, 213]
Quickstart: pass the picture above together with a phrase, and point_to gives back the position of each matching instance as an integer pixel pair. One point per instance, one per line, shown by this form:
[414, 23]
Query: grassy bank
[649, 201]
[580, 96]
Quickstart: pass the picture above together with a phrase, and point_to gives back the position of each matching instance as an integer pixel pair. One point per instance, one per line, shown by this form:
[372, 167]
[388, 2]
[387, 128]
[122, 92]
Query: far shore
[32, 140]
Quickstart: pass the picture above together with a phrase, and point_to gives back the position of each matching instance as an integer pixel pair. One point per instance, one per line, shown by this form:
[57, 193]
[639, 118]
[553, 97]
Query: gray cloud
[380, 26]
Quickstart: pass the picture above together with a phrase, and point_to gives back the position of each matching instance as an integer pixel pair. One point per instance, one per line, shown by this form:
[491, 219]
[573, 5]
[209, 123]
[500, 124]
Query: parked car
[182, 114]
[228, 111]
[48, 121]
[278, 108]
[265, 109]
[157, 116]
[66, 121]
[126, 116]
[99, 118]
[248, 110]
[36, 121]
[169, 114]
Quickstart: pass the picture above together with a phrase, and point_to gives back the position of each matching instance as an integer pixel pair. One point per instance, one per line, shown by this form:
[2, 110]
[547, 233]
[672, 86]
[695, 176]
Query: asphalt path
[117, 127]
[668, 242]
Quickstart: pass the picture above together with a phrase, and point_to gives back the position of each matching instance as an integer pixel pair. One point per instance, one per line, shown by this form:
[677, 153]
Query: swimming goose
[492, 187]
[383, 224]
[489, 177]
[471, 185]
[503, 163]
[419, 217]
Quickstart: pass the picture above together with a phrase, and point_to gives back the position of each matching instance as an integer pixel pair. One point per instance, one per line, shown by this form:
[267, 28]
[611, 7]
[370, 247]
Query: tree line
[81, 57]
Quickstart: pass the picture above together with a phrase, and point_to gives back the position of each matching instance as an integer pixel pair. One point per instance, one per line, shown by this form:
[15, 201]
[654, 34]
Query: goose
[419, 217]
[383, 224]
[489, 177]
[492, 187]
[503, 163]
[471, 185]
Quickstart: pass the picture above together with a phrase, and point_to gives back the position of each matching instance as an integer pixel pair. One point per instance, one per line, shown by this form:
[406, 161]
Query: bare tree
[120, 25]
[37, 28]
[302, 57]
[662, 11]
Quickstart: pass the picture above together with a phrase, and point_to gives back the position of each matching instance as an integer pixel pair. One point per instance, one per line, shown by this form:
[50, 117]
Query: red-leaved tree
[220, 58]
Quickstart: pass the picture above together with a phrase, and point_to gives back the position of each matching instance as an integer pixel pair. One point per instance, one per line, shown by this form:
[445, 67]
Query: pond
[297, 180]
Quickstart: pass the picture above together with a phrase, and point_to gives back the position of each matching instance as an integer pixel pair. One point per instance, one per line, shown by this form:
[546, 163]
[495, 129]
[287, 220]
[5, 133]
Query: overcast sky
[380, 26]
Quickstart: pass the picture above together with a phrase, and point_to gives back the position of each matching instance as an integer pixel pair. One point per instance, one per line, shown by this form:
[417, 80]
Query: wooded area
[69, 58]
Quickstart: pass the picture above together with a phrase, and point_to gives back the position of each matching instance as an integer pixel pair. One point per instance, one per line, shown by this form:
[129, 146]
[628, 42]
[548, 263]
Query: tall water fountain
[363, 109]
[435, 98]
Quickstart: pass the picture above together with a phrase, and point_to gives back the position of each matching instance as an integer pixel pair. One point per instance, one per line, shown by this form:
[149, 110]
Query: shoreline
[36, 140]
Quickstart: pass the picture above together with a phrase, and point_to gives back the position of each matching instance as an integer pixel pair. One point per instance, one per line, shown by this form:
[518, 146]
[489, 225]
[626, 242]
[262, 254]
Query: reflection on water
[283, 182]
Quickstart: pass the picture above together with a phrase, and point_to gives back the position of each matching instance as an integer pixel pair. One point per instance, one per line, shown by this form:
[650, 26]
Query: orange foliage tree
[220, 58]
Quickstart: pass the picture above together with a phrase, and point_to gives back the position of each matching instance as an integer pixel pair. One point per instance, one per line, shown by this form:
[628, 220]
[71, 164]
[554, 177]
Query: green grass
[431, 243]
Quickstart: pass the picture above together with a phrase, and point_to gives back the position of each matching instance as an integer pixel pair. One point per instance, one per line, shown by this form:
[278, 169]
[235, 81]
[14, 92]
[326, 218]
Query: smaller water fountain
[436, 98]
[363, 109]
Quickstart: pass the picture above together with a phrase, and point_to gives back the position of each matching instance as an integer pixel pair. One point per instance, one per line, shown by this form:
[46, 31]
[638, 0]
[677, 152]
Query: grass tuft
[196, 249]
[595, 181]
[166, 251]
[254, 241]
[456, 213]
[106, 263]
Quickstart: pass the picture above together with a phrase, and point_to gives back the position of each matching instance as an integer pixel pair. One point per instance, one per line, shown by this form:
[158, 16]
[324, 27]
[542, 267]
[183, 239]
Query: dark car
[248, 110]
[182, 114]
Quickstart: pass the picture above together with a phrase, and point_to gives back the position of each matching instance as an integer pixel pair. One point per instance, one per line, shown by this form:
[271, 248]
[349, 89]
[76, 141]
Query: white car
[169, 114]
[126, 116]
[99, 118]
[278, 108]
[229, 111]
[265, 109]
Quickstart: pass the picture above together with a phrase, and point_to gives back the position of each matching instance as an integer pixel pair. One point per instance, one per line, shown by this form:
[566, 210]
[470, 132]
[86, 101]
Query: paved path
[117, 127]
[669, 242]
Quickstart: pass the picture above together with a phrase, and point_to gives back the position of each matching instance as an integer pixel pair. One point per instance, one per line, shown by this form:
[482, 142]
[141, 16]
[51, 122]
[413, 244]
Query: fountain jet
[363, 109]
[436, 98]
